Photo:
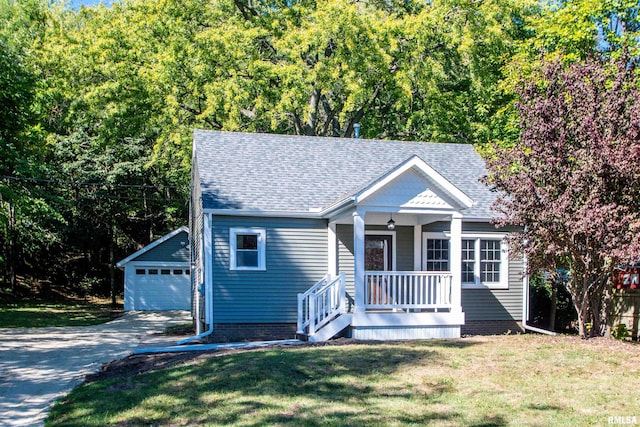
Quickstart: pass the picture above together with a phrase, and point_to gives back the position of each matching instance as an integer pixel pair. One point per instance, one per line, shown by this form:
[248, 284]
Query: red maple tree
[572, 180]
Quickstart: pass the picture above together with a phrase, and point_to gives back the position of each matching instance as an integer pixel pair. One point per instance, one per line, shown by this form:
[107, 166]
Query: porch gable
[413, 185]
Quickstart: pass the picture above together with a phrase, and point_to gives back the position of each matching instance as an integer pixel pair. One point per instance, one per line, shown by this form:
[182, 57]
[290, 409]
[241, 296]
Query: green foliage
[620, 332]
[63, 314]
[109, 96]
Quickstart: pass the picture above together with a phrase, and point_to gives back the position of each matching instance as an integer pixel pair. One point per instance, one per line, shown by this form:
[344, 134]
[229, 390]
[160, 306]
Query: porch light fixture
[391, 224]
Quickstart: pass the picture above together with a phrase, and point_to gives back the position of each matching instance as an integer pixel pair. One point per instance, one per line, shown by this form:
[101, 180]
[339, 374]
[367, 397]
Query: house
[319, 236]
[157, 277]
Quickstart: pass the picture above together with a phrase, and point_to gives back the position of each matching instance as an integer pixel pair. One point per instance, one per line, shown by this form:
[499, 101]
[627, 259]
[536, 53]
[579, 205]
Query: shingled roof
[286, 173]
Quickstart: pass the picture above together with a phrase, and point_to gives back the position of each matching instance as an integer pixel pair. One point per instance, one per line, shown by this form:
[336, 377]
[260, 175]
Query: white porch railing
[322, 303]
[407, 290]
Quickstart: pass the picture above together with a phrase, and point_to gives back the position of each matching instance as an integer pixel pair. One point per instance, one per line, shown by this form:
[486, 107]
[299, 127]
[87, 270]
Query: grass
[68, 313]
[481, 381]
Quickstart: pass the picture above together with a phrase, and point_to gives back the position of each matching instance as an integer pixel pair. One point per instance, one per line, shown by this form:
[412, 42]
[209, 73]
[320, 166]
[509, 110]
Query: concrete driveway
[41, 365]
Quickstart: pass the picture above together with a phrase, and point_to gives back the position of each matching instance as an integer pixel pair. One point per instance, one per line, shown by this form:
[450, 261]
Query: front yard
[503, 380]
[61, 313]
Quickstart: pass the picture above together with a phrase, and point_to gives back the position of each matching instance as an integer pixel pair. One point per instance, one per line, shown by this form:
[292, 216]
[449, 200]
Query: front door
[377, 253]
[377, 257]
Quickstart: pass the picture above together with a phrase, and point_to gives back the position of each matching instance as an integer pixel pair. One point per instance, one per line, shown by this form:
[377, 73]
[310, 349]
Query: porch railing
[407, 290]
[322, 303]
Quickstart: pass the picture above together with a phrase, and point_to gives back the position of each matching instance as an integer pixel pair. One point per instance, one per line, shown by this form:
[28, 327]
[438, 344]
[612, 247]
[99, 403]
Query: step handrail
[321, 303]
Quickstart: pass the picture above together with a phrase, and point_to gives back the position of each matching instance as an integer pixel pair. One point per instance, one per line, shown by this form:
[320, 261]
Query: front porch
[377, 243]
[374, 299]
[398, 305]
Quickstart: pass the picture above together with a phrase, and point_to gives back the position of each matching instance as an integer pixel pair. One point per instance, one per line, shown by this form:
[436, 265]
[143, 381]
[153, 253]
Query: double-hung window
[484, 262]
[483, 259]
[247, 248]
[437, 254]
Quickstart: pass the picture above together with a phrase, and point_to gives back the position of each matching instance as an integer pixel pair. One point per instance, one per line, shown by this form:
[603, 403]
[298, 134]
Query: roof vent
[356, 130]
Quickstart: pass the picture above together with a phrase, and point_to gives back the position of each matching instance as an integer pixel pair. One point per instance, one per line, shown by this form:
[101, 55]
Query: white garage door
[160, 288]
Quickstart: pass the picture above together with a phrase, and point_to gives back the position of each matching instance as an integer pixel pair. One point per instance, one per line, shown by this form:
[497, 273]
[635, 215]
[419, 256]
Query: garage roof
[172, 247]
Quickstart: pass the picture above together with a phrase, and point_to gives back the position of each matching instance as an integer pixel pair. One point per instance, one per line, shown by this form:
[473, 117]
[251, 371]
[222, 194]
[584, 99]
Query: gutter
[525, 307]
[208, 284]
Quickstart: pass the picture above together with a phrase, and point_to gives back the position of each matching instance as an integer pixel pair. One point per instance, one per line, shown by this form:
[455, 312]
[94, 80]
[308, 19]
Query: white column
[358, 260]
[417, 247]
[456, 262]
[332, 250]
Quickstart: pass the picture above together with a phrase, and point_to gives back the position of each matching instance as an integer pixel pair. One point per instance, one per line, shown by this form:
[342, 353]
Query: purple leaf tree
[572, 180]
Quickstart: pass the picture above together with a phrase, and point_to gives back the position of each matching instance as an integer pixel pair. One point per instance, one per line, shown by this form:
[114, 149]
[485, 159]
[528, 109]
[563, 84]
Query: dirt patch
[141, 363]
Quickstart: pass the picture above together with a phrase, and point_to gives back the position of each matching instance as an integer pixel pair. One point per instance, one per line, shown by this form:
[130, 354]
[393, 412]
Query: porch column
[456, 262]
[417, 247]
[358, 266]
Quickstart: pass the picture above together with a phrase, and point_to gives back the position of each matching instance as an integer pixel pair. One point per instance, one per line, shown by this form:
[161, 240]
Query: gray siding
[296, 258]
[344, 233]
[496, 304]
[170, 251]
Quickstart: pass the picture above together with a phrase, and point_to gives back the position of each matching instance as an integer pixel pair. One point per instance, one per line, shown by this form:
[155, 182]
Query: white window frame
[261, 233]
[434, 236]
[477, 237]
[504, 261]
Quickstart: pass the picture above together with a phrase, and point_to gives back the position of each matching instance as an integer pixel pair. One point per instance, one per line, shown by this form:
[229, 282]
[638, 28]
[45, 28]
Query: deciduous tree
[572, 180]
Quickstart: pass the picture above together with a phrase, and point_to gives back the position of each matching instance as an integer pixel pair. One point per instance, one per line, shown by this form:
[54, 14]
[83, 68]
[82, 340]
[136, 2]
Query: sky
[75, 4]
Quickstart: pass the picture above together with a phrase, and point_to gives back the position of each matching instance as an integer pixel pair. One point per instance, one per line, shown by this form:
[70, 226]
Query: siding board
[296, 258]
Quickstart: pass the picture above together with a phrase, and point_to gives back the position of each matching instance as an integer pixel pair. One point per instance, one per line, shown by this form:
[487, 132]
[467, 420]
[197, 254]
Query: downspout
[208, 283]
[525, 302]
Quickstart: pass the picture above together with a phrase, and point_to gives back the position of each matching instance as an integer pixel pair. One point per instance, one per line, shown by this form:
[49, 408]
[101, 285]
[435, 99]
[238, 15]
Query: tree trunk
[11, 237]
[112, 260]
[554, 304]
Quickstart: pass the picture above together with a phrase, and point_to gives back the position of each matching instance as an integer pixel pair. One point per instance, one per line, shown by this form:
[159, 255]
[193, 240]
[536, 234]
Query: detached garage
[157, 277]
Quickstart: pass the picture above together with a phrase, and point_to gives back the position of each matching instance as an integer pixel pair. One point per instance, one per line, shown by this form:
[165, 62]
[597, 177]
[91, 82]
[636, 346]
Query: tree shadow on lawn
[316, 385]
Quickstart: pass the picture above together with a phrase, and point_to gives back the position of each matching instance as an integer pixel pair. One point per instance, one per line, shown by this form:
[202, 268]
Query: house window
[468, 261]
[247, 248]
[490, 261]
[437, 256]
[483, 259]
[484, 263]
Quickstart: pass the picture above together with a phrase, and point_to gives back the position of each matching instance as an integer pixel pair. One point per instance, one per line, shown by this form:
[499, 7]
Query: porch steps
[331, 329]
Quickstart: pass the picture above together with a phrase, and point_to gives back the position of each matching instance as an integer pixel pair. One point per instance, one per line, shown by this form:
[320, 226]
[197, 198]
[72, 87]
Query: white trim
[152, 245]
[416, 162]
[261, 247]
[371, 319]
[260, 213]
[332, 212]
[160, 264]
[393, 243]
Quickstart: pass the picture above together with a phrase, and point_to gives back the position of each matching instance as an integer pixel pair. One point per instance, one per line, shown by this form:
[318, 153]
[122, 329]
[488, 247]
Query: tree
[572, 180]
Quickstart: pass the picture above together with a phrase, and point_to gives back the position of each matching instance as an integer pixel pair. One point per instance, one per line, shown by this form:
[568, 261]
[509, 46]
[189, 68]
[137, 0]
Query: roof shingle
[285, 173]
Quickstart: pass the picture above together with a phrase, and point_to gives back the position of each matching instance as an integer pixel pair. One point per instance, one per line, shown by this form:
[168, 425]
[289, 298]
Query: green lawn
[37, 315]
[506, 380]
